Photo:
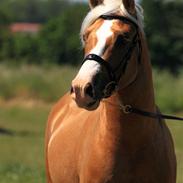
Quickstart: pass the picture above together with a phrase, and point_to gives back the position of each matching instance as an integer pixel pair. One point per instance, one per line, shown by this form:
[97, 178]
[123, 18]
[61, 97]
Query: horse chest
[81, 150]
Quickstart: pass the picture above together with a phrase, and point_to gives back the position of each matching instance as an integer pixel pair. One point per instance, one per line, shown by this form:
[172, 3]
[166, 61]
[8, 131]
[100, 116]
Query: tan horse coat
[106, 145]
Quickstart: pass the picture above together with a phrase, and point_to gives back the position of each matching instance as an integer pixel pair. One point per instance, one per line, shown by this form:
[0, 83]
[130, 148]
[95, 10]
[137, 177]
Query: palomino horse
[91, 135]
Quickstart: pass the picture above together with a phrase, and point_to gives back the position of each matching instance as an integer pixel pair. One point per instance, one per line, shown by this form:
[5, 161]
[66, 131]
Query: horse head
[111, 42]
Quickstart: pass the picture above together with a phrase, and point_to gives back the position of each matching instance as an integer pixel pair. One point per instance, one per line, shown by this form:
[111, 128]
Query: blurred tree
[33, 10]
[4, 18]
[59, 38]
[163, 25]
[27, 11]
[58, 41]
[4, 32]
[55, 7]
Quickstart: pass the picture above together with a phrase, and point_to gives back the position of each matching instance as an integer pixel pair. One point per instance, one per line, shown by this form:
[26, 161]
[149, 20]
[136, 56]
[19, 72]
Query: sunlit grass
[22, 125]
[177, 133]
[48, 83]
[168, 91]
[32, 82]
[22, 144]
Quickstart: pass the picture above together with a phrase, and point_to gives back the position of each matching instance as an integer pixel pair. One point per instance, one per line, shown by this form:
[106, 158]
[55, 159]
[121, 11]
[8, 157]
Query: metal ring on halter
[127, 109]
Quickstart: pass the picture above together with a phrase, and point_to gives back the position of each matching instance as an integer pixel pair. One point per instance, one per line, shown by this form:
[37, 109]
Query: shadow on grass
[4, 131]
[7, 132]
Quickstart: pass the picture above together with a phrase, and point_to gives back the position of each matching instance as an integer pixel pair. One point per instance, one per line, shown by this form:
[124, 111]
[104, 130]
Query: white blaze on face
[103, 33]
[89, 68]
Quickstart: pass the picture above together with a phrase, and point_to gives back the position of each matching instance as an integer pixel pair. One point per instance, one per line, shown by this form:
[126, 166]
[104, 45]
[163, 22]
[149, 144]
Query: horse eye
[126, 36]
[120, 40]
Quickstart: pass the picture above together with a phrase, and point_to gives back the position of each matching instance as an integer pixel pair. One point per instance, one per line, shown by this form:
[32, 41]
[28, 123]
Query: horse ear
[129, 5]
[94, 3]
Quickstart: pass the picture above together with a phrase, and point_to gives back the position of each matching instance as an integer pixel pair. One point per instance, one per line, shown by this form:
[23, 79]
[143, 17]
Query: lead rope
[128, 109]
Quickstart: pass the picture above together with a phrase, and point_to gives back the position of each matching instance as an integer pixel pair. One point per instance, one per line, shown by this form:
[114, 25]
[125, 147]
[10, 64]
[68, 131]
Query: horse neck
[140, 93]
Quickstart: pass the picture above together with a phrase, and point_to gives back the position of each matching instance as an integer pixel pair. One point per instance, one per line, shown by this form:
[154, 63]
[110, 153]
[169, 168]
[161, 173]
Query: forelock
[107, 8]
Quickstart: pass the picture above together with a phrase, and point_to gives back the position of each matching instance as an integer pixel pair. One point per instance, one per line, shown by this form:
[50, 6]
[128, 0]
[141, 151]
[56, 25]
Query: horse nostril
[71, 90]
[89, 90]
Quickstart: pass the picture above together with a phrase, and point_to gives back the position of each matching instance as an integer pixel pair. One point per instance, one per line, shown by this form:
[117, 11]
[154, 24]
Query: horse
[93, 133]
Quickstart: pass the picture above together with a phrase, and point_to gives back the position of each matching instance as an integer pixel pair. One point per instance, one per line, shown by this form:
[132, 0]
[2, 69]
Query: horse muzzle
[84, 96]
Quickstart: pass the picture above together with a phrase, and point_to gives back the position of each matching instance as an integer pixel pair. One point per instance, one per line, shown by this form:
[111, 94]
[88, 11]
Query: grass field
[49, 82]
[22, 144]
[26, 95]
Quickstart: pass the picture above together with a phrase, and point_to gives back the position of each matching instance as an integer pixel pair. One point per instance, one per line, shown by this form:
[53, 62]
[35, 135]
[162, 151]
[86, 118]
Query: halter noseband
[102, 62]
[127, 55]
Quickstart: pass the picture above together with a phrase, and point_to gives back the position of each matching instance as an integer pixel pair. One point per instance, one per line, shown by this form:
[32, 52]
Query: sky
[87, 0]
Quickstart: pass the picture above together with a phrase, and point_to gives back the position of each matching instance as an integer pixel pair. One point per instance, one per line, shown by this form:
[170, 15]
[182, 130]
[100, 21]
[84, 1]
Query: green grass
[48, 83]
[31, 82]
[168, 91]
[177, 133]
[22, 144]
[22, 148]
[22, 124]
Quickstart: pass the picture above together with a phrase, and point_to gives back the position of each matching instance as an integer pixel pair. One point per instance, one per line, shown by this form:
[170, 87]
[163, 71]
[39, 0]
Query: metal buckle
[127, 109]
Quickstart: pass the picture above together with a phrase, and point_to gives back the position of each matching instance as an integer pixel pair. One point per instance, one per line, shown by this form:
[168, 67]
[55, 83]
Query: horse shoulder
[58, 110]
[54, 114]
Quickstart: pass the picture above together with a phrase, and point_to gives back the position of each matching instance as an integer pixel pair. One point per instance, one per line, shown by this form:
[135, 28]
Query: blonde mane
[109, 7]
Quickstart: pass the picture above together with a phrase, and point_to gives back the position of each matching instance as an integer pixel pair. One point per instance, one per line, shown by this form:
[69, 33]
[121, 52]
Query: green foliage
[4, 18]
[58, 42]
[21, 48]
[164, 33]
[32, 10]
[59, 39]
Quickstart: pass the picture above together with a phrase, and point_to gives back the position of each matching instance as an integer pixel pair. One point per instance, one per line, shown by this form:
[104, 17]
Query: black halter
[127, 109]
[127, 55]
